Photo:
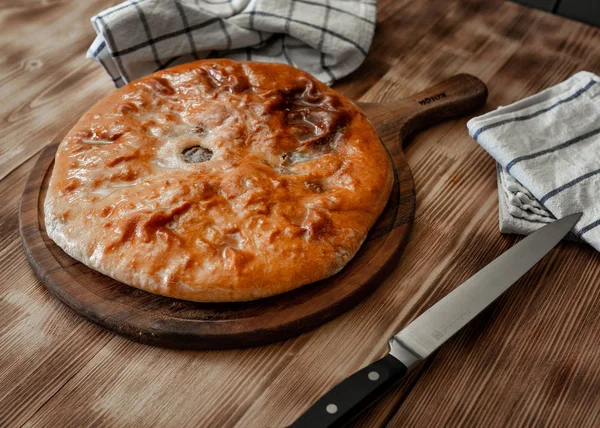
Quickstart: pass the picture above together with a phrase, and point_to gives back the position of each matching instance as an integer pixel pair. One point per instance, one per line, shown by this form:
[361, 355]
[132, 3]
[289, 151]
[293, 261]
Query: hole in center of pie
[196, 154]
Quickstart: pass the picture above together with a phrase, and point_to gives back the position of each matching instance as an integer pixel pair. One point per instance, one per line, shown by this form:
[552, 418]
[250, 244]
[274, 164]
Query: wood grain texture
[531, 359]
[43, 44]
[161, 321]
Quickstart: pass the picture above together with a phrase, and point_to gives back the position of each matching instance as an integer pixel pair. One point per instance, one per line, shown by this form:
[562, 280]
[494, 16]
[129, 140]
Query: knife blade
[434, 327]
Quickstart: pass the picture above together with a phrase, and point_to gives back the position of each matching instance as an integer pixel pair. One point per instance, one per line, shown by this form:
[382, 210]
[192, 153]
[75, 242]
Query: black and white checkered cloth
[327, 38]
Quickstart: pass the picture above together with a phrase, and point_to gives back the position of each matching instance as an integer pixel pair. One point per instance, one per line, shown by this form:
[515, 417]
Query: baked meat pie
[218, 181]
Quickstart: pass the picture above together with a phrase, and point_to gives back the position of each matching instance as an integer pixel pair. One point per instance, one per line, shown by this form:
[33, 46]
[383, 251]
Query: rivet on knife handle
[353, 394]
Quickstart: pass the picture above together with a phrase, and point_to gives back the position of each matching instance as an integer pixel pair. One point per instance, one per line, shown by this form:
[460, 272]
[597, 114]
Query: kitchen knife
[435, 326]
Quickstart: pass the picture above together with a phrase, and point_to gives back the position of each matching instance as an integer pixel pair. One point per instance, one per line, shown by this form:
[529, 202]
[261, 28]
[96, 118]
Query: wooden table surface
[531, 359]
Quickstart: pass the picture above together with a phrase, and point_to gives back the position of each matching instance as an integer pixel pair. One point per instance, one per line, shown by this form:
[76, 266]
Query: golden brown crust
[296, 178]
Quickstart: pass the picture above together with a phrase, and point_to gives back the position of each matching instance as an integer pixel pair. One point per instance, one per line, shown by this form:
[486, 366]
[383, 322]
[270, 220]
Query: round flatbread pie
[218, 181]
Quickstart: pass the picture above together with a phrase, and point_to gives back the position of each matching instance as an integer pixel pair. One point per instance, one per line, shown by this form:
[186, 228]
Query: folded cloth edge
[329, 21]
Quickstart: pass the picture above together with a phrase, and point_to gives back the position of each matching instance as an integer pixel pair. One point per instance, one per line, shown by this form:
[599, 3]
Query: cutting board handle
[457, 96]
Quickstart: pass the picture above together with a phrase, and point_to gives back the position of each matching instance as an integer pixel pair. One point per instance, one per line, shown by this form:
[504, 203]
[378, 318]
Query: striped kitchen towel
[547, 147]
[327, 38]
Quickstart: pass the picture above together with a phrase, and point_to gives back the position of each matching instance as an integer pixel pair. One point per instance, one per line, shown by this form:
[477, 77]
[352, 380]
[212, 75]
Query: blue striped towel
[327, 38]
[547, 147]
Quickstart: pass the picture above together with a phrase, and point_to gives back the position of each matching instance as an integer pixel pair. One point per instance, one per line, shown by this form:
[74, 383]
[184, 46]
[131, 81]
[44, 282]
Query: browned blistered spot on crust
[273, 235]
[79, 135]
[71, 185]
[160, 219]
[128, 228]
[205, 190]
[64, 216]
[107, 210]
[317, 222]
[128, 173]
[146, 226]
[199, 130]
[122, 158]
[108, 133]
[236, 260]
[158, 85]
[128, 108]
[314, 186]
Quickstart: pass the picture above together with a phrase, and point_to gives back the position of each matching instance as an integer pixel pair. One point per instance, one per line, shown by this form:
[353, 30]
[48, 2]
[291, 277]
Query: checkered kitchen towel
[327, 38]
[548, 151]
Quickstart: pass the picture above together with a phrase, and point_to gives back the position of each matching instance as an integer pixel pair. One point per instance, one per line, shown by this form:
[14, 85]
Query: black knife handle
[352, 395]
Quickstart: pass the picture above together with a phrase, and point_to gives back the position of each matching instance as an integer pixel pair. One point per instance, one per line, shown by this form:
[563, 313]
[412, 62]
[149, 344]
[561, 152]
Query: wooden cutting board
[173, 323]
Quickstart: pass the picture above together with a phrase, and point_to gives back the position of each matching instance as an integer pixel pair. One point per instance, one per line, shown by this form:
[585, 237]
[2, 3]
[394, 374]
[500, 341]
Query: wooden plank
[129, 384]
[43, 345]
[45, 74]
